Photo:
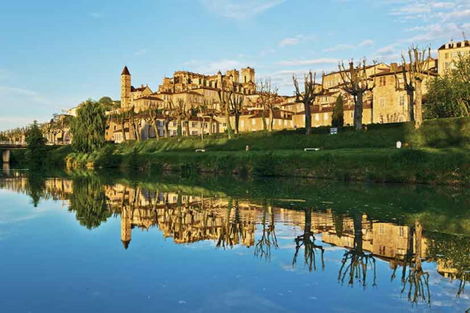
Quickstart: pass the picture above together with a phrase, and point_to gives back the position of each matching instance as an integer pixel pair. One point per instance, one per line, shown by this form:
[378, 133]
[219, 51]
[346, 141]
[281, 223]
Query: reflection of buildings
[229, 222]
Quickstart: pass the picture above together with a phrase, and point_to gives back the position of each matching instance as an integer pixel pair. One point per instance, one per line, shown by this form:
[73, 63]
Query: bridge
[7, 146]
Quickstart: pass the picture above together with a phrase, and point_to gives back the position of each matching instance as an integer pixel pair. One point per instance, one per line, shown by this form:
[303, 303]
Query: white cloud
[212, 67]
[308, 62]
[366, 43]
[240, 9]
[292, 41]
[339, 47]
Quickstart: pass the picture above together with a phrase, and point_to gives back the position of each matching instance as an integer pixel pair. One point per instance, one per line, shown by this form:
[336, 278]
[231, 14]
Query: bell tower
[125, 88]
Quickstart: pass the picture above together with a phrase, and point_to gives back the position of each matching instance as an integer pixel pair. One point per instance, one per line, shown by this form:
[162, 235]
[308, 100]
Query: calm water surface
[98, 243]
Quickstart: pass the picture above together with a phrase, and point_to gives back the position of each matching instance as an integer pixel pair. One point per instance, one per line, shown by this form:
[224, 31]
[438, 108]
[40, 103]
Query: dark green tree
[108, 103]
[88, 128]
[338, 112]
[36, 150]
[449, 96]
[88, 201]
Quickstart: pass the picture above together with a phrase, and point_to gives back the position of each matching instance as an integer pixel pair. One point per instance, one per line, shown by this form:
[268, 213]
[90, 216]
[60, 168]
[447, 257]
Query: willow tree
[307, 97]
[414, 70]
[88, 127]
[356, 83]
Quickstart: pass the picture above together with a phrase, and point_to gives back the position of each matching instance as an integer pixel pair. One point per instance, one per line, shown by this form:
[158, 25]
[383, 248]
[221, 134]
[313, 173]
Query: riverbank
[438, 153]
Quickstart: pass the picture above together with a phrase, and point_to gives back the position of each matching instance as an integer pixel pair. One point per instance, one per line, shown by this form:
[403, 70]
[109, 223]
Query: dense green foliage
[88, 201]
[449, 96]
[36, 149]
[338, 112]
[88, 128]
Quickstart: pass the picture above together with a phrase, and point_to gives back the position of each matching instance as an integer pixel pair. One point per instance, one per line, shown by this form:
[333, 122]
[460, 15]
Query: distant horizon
[57, 54]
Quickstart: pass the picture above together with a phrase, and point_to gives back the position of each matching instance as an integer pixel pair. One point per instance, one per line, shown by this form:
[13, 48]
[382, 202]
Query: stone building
[449, 53]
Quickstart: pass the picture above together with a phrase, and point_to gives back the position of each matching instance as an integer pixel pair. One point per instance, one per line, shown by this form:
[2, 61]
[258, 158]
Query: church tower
[126, 226]
[125, 88]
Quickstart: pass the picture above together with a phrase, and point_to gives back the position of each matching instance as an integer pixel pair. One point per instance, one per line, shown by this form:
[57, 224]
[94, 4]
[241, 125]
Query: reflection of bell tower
[126, 226]
[125, 88]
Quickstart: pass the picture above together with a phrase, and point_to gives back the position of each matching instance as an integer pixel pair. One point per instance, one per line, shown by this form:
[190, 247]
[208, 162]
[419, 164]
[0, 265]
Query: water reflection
[228, 221]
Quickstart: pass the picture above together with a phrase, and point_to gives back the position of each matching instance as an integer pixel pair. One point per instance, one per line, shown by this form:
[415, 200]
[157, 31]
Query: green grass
[437, 153]
[452, 132]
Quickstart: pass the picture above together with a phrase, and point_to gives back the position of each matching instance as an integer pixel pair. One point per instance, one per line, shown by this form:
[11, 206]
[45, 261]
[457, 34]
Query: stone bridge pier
[6, 156]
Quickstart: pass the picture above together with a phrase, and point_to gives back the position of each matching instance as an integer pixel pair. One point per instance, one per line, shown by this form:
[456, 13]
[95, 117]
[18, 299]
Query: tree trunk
[358, 108]
[179, 130]
[237, 123]
[167, 131]
[186, 125]
[271, 120]
[263, 115]
[308, 119]
[418, 109]
[227, 120]
[123, 131]
[155, 129]
[211, 125]
[411, 103]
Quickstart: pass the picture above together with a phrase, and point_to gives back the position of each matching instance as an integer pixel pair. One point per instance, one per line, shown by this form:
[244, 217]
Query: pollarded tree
[414, 71]
[88, 128]
[356, 83]
[224, 100]
[338, 112]
[236, 108]
[307, 97]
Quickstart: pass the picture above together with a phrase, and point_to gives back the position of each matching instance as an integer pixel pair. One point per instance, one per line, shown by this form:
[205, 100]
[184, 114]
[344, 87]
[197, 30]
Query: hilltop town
[192, 104]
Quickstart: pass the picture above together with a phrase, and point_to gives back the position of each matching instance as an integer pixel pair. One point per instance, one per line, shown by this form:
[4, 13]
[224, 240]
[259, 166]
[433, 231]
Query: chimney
[393, 67]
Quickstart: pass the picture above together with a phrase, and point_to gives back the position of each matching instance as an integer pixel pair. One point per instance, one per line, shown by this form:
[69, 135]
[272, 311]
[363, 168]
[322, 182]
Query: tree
[338, 112]
[108, 103]
[153, 112]
[307, 240]
[36, 145]
[356, 83]
[413, 76]
[88, 128]
[236, 108]
[88, 201]
[356, 262]
[269, 101]
[307, 97]
[449, 96]
[224, 100]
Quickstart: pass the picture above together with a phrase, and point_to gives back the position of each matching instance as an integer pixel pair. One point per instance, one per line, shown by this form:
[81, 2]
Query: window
[402, 100]
[193, 124]
[317, 117]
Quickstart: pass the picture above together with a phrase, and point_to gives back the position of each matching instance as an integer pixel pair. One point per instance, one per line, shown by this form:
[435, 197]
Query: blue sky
[55, 54]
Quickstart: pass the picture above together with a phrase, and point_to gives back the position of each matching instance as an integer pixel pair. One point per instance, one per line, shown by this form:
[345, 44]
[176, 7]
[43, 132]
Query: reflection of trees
[36, 187]
[356, 262]
[88, 201]
[452, 254]
[232, 229]
[415, 281]
[268, 236]
[307, 241]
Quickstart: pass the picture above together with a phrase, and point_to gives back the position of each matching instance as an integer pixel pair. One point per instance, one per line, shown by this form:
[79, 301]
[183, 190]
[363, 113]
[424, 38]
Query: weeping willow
[88, 128]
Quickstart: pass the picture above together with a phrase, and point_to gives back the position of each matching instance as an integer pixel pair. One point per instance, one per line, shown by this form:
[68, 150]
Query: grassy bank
[437, 153]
